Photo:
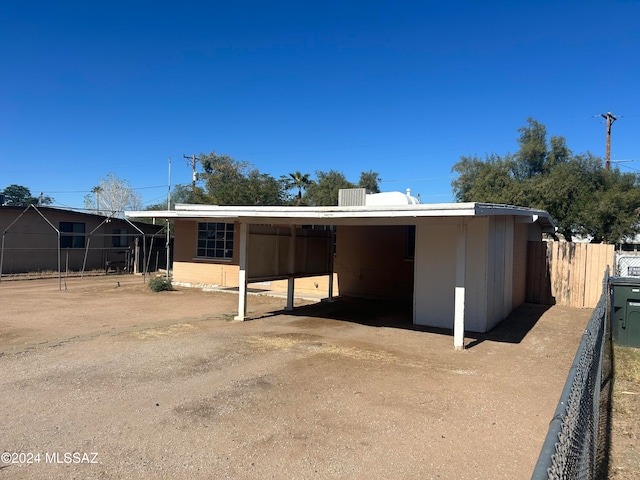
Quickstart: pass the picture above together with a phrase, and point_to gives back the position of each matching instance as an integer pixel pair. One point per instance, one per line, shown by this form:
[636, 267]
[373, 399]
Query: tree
[580, 195]
[325, 190]
[490, 180]
[182, 194]
[531, 158]
[112, 196]
[21, 196]
[299, 180]
[369, 181]
[612, 214]
[232, 182]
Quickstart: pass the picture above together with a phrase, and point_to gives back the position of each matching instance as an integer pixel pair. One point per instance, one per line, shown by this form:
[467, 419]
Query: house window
[120, 238]
[71, 235]
[215, 240]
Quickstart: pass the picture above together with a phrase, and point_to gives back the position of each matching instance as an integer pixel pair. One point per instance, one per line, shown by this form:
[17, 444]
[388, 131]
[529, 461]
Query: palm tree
[300, 181]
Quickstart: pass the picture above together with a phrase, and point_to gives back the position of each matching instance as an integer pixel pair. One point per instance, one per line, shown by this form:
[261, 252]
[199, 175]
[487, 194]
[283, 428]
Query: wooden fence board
[567, 273]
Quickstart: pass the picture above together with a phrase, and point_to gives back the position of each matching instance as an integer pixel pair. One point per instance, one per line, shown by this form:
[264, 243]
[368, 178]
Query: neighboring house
[36, 239]
[462, 266]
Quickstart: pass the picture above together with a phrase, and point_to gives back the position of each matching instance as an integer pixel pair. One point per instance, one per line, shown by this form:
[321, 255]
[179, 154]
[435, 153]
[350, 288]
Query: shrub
[159, 284]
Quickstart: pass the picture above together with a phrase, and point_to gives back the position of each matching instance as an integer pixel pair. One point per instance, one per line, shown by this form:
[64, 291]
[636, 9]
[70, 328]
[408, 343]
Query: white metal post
[331, 265]
[242, 274]
[461, 260]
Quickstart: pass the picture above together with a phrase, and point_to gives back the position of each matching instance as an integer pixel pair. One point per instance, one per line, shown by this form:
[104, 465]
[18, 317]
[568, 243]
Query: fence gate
[627, 264]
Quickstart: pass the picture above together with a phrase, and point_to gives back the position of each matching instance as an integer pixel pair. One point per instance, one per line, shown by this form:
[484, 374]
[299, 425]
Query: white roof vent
[391, 198]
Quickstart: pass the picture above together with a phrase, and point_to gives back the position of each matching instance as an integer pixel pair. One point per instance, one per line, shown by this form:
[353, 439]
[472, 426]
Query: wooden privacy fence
[566, 273]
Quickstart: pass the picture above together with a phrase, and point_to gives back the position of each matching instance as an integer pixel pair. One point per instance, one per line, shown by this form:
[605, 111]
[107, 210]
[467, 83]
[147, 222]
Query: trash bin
[625, 310]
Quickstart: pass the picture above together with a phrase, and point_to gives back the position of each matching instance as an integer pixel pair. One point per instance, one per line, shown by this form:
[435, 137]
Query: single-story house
[37, 239]
[463, 266]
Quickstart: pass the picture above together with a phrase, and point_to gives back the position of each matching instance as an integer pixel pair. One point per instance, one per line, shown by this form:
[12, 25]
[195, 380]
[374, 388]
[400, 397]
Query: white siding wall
[435, 263]
[476, 275]
[435, 271]
[500, 269]
[488, 277]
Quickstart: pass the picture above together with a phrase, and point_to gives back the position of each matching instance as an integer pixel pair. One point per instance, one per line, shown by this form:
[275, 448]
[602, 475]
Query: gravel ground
[164, 386]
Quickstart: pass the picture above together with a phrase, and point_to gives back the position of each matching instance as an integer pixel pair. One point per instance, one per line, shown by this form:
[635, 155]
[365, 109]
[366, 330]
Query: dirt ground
[112, 381]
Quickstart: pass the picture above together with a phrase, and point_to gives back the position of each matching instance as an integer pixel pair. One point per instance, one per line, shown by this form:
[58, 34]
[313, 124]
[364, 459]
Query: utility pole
[610, 119]
[194, 174]
[168, 242]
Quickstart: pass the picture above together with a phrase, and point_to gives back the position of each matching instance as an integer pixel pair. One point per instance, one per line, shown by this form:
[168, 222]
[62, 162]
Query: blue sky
[403, 88]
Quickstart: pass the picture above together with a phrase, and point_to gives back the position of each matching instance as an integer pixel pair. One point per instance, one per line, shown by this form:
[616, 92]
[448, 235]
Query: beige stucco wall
[370, 261]
[188, 269]
[198, 272]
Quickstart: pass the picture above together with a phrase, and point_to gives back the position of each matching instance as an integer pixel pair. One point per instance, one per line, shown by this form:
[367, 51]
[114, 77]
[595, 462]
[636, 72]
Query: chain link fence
[572, 449]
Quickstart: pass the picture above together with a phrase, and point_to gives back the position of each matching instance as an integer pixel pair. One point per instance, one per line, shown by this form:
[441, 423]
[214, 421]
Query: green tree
[325, 190]
[182, 194]
[531, 159]
[612, 214]
[21, 196]
[232, 182]
[581, 196]
[369, 181]
[188, 194]
[299, 180]
[490, 180]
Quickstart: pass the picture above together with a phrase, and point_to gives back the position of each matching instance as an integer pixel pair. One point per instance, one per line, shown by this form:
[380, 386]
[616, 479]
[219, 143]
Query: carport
[462, 265]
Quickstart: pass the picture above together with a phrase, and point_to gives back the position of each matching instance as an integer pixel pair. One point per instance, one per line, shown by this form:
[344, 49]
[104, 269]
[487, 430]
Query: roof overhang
[362, 215]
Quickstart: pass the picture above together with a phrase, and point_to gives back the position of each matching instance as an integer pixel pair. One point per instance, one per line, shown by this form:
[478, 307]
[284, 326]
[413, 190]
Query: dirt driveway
[115, 382]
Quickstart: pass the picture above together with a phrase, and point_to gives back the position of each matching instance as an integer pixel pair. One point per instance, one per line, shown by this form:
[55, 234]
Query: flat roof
[367, 215]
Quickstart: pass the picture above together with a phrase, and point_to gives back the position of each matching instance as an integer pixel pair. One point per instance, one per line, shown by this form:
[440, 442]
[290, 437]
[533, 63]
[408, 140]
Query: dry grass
[626, 391]
[627, 364]
[625, 451]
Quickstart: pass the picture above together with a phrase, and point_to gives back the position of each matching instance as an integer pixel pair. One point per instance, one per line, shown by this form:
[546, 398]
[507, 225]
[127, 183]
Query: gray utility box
[625, 310]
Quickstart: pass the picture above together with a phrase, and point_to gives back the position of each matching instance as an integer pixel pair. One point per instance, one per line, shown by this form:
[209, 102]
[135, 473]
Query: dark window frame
[120, 237]
[72, 234]
[215, 241]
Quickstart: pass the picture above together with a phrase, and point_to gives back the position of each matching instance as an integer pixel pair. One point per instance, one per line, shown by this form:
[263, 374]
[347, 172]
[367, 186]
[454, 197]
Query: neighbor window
[71, 235]
[120, 238]
[215, 240]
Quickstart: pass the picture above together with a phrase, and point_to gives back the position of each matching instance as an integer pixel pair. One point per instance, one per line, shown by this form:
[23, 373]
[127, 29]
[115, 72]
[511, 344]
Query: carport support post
[292, 270]
[242, 275]
[331, 265]
[461, 261]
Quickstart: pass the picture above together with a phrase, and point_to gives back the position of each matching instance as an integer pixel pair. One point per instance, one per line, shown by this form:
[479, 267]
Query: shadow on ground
[380, 313]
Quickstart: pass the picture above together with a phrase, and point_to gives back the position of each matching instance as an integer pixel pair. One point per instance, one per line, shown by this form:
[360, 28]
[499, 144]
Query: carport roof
[397, 214]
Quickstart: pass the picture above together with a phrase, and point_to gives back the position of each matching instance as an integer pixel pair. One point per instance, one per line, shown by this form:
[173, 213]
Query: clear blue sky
[403, 88]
